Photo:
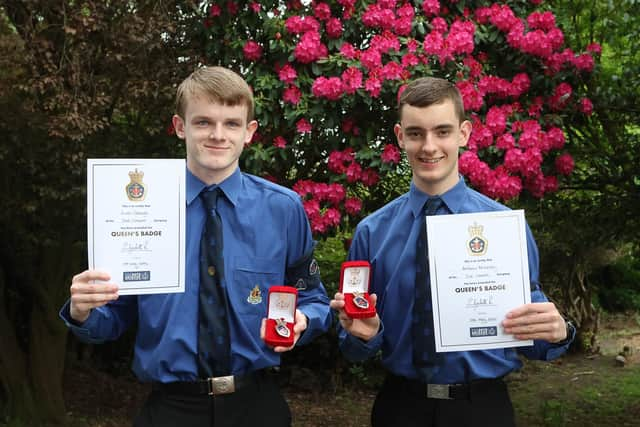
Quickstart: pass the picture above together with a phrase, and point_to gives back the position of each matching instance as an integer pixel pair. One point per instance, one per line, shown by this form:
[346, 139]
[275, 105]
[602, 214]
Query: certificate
[136, 223]
[479, 272]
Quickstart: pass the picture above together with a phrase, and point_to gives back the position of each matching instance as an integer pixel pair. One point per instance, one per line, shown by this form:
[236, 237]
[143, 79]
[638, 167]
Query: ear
[397, 129]
[178, 125]
[465, 133]
[252, 126]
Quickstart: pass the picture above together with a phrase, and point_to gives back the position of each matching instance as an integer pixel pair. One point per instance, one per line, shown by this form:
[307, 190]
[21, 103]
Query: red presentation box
[281, 315]
[355, 277]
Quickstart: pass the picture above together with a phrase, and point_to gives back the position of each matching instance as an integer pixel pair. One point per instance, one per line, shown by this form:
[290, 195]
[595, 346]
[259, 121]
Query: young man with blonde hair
[266, 241]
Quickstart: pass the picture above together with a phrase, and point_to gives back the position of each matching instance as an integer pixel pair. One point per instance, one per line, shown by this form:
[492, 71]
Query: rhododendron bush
[326, 77]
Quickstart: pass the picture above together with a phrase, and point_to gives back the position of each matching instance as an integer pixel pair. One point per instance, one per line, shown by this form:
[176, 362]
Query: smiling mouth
[431, 161]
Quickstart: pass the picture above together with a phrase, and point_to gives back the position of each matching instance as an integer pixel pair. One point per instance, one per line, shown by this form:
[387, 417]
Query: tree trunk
[33, 378]
[14, 377]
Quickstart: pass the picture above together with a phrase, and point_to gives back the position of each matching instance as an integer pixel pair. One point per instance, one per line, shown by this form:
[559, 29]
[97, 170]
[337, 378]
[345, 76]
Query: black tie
[424, 349]
[213, 329]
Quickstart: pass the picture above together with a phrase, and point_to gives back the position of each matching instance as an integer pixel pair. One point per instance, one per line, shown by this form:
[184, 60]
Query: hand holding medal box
[281, 312]
[355, 277]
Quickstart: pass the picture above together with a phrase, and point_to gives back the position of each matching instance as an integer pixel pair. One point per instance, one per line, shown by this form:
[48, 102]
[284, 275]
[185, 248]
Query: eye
[414, 134]
[202, 123]
[233, 124]
[443, 133]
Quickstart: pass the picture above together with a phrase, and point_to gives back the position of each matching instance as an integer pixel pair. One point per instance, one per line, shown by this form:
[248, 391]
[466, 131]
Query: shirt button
[211, 270]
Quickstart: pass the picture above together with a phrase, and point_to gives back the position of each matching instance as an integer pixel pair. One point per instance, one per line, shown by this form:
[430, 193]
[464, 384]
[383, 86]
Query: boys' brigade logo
[477, 245]
[136, 189]
[255, 296]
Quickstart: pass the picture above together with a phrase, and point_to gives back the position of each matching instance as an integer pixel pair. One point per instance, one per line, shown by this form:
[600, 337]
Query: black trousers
[259, 404]
[401, 404]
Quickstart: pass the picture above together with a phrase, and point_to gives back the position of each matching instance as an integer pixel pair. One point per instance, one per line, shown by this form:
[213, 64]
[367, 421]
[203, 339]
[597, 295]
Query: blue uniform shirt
[387, 239]
[265, 231]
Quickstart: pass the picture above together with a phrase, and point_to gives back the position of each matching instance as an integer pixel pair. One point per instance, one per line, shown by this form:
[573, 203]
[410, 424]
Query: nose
[216, 132]
[428, 143]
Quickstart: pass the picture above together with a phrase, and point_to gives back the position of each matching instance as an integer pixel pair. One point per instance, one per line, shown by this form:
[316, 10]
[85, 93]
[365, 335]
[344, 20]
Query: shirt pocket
[252, 278]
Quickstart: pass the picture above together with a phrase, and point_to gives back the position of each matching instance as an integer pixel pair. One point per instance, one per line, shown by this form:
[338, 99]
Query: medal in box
[281, 314]
[355, 277]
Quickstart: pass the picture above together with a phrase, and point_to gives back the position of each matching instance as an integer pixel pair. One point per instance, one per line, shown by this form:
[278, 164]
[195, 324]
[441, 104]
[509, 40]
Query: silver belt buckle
[438, 391]
[221, 385]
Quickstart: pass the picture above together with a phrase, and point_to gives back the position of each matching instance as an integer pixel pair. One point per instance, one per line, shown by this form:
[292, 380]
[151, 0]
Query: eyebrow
[420, 128]
[235, 119]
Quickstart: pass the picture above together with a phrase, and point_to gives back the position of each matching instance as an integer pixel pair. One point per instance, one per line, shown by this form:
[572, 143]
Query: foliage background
[97, 79]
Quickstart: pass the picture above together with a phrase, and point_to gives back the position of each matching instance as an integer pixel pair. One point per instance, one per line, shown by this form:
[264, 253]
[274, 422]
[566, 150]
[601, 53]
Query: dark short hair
[427, 91]
[219, 84]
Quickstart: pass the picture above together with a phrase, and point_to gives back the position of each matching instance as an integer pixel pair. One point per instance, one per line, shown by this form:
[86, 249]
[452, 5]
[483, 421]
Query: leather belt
[443, 391]
[214, 386]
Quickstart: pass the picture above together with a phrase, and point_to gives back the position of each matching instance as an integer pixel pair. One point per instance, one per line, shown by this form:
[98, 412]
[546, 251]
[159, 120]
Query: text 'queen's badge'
[282, 329]
[478, 244]
[136, 189]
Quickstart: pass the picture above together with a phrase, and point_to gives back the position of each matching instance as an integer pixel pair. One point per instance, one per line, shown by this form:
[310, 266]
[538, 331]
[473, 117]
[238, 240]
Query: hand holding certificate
[136, 223]
[479, 272]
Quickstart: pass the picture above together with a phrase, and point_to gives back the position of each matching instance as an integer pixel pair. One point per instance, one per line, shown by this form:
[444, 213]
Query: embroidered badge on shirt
[314, 268]
[301, 285]
[255, 296]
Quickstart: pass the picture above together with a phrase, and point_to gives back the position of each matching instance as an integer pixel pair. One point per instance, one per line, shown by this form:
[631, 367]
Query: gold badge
[255, 296]
[136, 189]
[478, 244]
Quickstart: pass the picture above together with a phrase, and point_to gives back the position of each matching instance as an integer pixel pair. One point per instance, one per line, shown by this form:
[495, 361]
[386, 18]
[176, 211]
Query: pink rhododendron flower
[301, 24]
[255, 7]
[390, 154]
[369, 177]
[560, 97]
[215, 10]
[556, 138]
[279, 142]
[431, 7]
[334, 28]
[391, 71]
[303, 126]
[496, 120]
[564, 164]
[353, 172]
[292, 95]
[541, 20]
[348, 51]
[373, 85]
[352, 80]
[287, 74]
[353, 205]
[310, 48]
[586, 106]
[322, 11]
[594, 48]
[584, 62]
[252, 51]
[330, 88]
[505, 141]
[371, 59]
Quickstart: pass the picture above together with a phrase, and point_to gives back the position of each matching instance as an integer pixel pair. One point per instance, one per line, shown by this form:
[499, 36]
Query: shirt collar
[231, 186]
[453, 198]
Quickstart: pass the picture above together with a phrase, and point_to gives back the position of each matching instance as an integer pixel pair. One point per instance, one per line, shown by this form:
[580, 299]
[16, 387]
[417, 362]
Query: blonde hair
[219, 84]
